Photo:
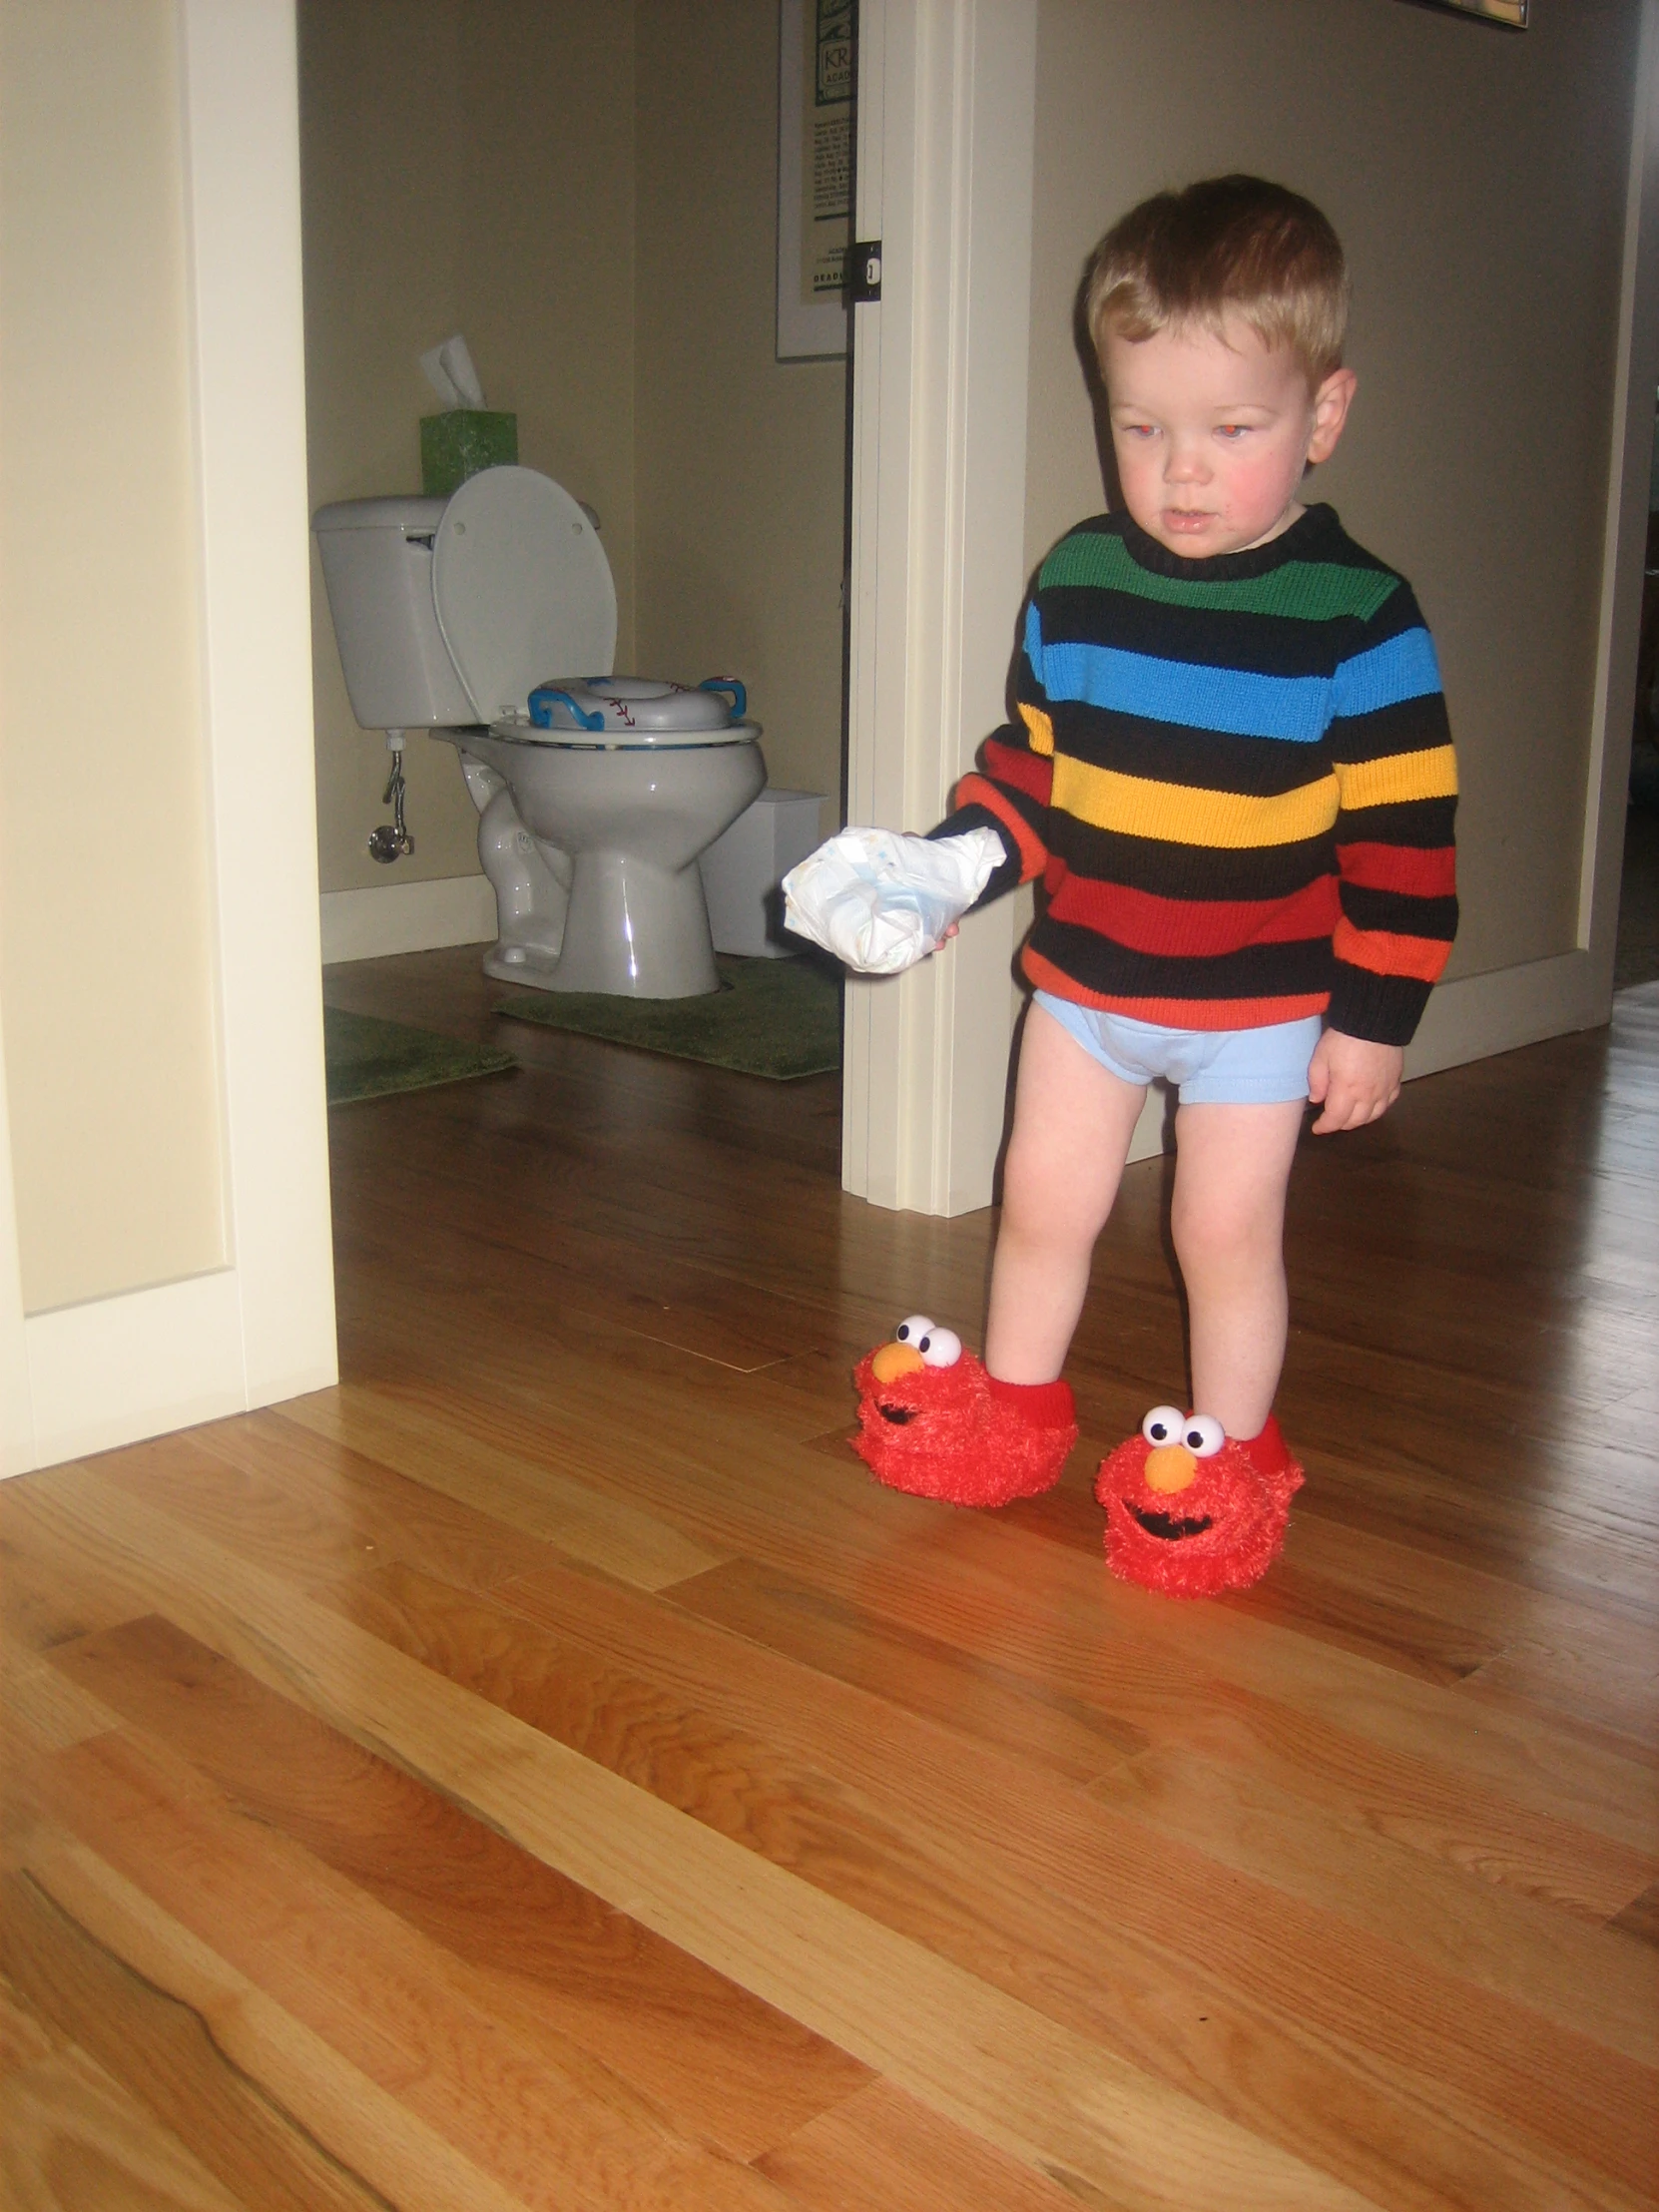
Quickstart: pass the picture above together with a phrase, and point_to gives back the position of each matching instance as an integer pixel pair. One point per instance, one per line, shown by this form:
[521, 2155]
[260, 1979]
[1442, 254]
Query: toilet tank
[377, 566]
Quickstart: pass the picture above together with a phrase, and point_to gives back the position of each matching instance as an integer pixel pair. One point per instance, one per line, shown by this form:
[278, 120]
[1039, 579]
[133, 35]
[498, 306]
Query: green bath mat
[367, 1057]
[778, 1018]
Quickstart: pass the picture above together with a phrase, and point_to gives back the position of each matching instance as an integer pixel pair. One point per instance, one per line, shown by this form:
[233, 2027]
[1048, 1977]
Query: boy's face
[1212, 434]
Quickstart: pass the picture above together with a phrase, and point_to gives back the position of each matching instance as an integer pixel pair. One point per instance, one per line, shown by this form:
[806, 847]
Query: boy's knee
[1216, 1234]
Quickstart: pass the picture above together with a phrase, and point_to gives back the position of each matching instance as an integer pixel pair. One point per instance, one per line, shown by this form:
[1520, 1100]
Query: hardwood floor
[546, 1771]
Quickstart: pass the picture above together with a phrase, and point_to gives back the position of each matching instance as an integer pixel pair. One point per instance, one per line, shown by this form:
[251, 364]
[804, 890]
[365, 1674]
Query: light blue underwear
[1212, 1067]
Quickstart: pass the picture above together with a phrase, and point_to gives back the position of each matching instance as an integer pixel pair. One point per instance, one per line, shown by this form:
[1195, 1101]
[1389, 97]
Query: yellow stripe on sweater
[1041, 729]
[1177, 815]
[1399, 776]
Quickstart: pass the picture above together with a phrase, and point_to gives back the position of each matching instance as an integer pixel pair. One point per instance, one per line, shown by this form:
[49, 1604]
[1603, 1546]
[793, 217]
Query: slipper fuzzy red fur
[941, 1434]
[1221, 1533]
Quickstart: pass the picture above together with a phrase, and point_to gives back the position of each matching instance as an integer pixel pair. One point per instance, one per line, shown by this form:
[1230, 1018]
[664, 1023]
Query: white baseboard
[1480, 1015]
[407, 917]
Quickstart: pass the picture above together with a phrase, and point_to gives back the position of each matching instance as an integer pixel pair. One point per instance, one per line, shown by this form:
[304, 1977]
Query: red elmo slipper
[1191, 1510]
[934, 1422]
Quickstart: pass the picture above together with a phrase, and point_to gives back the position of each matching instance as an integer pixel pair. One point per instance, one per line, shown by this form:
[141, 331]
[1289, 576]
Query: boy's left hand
[1354, 1081]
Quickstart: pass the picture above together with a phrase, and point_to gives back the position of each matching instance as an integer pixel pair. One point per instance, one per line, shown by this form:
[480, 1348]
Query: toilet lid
[522, 588]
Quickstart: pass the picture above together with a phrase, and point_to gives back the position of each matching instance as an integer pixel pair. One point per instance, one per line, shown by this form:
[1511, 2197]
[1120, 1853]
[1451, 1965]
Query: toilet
[483, 619]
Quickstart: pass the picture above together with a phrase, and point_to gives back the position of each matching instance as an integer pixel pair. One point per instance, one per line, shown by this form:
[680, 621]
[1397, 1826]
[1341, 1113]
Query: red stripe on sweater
[1401, 868]
[1029, 773]
[1381, 952]
[978, 791]
[1191, 928]
[1176, 1013]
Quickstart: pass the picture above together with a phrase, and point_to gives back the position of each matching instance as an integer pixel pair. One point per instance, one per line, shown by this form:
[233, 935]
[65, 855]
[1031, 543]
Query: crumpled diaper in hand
[881, 899]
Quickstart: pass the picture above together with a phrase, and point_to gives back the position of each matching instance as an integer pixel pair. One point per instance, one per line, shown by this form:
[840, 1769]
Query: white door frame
[261, 1328]
[946, 139]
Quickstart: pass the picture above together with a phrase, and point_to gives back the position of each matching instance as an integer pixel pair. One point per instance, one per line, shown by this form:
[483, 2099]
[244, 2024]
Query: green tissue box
[458, 445]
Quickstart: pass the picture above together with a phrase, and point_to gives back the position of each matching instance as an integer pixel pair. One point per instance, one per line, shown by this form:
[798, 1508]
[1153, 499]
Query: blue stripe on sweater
[1405, 668]
[1234, 701]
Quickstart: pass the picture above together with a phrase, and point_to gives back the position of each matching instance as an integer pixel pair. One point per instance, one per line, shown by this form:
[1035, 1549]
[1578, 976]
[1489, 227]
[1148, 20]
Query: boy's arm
[1009, 790]
[1391, 746]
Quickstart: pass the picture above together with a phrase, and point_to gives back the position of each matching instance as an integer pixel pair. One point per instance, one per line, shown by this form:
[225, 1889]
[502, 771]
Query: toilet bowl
[482, 619]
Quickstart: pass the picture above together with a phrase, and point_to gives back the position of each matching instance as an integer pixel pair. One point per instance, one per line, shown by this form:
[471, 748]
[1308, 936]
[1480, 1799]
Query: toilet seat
[628, 714]
[522, 589]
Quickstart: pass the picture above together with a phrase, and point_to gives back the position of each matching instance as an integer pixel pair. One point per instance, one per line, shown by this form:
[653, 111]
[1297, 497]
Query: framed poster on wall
[815, 73]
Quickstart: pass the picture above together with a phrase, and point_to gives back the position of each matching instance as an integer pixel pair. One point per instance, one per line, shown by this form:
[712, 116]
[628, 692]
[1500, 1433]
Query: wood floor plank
[910, 1671]
[543, 1953]
[309, 1503]
[164, 2054]
[553, 2128]
[1568, 1656]
[1507, 1942]
[412, 1430]
[989, 1902]
[50, 1592]
[882, 2148]
[1054, 2098]
[23, 2037]
[73, 2141]
[370, 2133]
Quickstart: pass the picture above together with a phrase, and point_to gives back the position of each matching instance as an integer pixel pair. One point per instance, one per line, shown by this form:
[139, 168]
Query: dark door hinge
[864, 273]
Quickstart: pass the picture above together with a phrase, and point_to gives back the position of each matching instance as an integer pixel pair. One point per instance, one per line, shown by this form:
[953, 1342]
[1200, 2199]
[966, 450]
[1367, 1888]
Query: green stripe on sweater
[1308, 590]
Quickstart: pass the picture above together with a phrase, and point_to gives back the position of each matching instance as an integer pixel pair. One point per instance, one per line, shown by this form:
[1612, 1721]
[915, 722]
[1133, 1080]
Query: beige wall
[1478, 179]
[107, 982]
[465, 166]
[741, 458]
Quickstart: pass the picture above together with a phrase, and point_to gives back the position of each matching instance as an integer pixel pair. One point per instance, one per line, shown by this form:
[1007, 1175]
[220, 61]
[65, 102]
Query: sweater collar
[1301, 539]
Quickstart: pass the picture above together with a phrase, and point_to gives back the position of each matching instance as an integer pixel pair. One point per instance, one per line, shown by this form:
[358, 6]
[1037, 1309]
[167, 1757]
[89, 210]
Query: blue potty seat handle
[740, 697]
[542, 709]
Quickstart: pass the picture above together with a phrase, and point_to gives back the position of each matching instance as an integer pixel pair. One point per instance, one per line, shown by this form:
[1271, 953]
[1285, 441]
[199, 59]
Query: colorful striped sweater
[1234, 780]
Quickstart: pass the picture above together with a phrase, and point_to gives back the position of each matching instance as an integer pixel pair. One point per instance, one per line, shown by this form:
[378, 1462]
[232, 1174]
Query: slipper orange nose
[896, 1359]
[1170, 1468]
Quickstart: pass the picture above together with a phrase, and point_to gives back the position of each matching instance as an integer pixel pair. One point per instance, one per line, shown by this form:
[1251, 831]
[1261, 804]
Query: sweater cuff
[1004, 877]
[1383, 1009]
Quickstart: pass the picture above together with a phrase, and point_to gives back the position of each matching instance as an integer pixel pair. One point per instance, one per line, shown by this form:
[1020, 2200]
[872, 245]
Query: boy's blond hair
[1229, 246]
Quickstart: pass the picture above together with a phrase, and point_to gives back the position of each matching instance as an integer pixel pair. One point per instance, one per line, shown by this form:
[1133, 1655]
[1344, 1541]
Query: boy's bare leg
[1228, 1220]
[1072, 1123]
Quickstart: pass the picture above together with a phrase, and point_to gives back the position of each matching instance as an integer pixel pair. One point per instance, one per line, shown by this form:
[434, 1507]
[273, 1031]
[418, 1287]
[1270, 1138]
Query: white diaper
[881, 899]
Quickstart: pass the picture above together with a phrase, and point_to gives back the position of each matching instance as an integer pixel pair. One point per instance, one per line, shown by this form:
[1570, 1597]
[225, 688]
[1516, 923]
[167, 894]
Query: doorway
[588, 194]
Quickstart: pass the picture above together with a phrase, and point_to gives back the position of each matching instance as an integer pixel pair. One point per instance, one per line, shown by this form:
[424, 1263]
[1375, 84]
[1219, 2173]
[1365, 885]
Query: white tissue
[448, 370]
[880, 899]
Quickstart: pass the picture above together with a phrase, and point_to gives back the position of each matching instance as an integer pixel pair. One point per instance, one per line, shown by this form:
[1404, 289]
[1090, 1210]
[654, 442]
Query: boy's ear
[1331, 405]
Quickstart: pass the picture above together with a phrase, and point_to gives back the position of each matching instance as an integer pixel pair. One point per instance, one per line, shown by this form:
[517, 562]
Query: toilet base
[631, 931]
[518, 964]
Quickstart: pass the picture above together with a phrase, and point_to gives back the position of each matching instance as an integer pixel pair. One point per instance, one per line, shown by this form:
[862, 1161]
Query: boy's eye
[1231, 429]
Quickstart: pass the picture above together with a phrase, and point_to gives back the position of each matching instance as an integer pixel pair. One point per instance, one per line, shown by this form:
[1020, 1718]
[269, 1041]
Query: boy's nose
[1185, 464]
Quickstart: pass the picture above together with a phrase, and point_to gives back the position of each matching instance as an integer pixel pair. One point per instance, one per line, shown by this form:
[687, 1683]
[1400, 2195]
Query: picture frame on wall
[816, 82]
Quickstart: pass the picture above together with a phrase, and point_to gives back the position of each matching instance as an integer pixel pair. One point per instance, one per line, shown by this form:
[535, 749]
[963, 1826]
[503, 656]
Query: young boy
[1232, 776]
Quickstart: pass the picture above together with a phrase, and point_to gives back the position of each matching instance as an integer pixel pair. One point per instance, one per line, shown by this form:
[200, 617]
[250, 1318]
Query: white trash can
[743, 868]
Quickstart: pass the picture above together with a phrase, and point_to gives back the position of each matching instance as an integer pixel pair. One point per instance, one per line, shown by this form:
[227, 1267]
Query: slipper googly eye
[1203, 1436]
[940, 1348]
[912, 1328]
[1163, 1425]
